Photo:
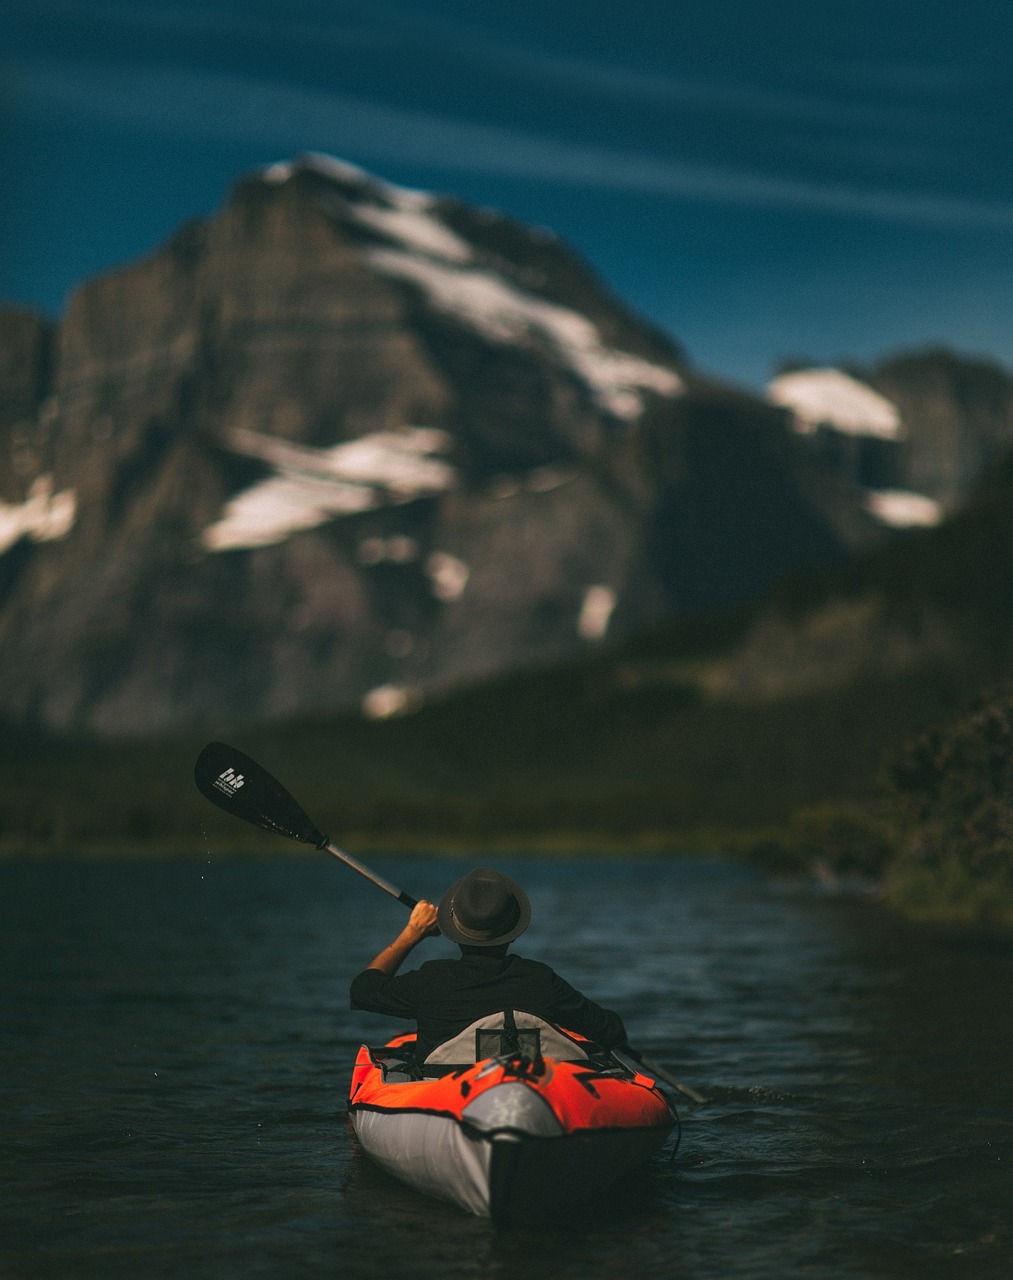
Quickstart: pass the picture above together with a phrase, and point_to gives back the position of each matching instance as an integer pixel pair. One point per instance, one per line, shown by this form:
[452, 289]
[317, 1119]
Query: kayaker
[483, 912]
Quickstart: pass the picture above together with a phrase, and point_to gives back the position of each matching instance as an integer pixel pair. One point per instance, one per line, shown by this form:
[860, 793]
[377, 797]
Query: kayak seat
[397, 1072]
[509, 1033]
[397, 1066]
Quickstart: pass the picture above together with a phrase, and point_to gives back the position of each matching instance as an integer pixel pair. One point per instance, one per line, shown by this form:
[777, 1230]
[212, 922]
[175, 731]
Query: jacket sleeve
[376, 992]
[575, 1012]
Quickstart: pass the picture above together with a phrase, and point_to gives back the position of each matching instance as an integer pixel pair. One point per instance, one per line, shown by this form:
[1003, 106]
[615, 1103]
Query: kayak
[507, 1136]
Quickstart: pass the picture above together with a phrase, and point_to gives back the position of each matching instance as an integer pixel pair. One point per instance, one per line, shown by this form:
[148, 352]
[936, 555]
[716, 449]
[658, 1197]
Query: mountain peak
[409, 241]
[345, 437]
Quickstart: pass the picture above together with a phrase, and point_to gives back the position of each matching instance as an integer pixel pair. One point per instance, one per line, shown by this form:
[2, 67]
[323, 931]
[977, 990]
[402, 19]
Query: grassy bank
[878, 780]
[555, 761]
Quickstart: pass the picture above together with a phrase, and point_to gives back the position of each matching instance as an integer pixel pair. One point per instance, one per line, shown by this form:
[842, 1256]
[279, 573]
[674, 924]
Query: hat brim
[448, 925]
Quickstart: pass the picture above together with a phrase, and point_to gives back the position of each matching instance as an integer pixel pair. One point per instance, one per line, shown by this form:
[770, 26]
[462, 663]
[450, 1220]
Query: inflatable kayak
[542, 1121]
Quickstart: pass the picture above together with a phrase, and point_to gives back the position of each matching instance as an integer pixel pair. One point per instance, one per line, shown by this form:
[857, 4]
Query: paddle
[662, 1074]
[240, 786]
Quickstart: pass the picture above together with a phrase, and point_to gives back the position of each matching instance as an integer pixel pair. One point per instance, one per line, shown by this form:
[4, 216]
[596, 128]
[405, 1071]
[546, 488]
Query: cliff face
[959, 418]
[914, 436]
[26, 343]
[345, 442]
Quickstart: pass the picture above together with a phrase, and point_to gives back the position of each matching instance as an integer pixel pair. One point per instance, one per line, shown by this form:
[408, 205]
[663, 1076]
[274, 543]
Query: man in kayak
[483, 913]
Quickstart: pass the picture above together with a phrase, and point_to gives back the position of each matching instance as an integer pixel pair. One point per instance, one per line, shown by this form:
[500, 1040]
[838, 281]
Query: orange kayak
[508, 1136]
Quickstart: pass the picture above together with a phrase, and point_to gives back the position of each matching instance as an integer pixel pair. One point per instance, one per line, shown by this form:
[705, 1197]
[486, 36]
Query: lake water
[176, 1047]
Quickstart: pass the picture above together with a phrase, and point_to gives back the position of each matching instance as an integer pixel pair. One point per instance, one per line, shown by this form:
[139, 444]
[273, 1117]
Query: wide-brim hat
[484, 909]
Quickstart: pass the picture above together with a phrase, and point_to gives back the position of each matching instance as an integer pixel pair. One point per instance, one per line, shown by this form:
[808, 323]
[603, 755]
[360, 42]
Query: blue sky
[766, 181]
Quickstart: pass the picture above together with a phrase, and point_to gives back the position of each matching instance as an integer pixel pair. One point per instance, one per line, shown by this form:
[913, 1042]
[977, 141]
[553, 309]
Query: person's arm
[421, 924]
[574, 1011]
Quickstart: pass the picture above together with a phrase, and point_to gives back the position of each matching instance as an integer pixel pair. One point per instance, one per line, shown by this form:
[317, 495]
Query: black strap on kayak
[508, 1041]
[511, 1039]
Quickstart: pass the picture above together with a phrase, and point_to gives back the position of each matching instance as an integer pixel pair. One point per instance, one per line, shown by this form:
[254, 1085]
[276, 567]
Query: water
[176, 1047]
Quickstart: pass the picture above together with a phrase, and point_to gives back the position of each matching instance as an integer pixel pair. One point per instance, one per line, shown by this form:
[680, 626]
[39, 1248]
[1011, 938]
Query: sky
[768, 182]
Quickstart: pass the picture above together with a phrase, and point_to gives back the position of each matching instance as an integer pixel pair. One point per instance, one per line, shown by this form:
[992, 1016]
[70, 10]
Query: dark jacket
[445, 996]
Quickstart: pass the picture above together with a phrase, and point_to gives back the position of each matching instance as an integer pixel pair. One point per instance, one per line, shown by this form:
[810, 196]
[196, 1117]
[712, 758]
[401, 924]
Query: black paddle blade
[240, 786]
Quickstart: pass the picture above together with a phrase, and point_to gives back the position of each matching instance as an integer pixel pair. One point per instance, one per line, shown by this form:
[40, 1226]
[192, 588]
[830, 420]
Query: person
[483, 912]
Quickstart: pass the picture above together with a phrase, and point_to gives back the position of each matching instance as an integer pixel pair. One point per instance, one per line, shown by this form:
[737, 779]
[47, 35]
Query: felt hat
[484, 909]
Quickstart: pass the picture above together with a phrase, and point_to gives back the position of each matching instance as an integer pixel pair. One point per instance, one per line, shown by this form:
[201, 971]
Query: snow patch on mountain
[427, 253]
[411, 224]
[448, 576]
[345, 173]
[902, 509]
[401, 214]
[44, 516]
[388, 700]
[595, 612]
[313, 486]
[501, 313]
[830, 398]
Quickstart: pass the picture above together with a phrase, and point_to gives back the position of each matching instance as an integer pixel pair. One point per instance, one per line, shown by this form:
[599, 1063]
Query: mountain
[958, 412]
[345, 441]
[344, 445]
[917, 431]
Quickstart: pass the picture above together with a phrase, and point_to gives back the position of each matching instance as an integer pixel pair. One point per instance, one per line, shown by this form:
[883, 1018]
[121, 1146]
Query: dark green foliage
[952, 790]
[836, 842]
[569, 758]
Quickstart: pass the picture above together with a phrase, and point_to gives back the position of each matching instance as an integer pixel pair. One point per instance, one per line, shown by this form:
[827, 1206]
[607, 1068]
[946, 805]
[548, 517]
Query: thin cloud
[287, 118]
[651, 87]
[121, 22]
[391, 27]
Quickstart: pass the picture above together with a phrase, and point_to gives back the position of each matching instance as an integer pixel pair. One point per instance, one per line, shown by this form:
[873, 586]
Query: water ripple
[177, 1046]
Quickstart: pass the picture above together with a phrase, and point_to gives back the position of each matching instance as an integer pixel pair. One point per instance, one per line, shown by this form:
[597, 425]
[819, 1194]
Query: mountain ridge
[343, 444]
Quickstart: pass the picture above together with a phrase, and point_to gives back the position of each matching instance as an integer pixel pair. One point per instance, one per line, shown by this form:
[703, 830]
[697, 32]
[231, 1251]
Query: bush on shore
[837, 843]
[952, 792]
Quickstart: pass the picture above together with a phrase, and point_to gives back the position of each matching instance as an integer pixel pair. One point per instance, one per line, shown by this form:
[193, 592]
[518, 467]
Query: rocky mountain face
[958, 418]
[344, 443]
[26, 347]
[917, 431]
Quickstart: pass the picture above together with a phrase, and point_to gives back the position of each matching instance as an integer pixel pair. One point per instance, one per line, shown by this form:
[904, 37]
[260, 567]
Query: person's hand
[422, 921]
[421, 924]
